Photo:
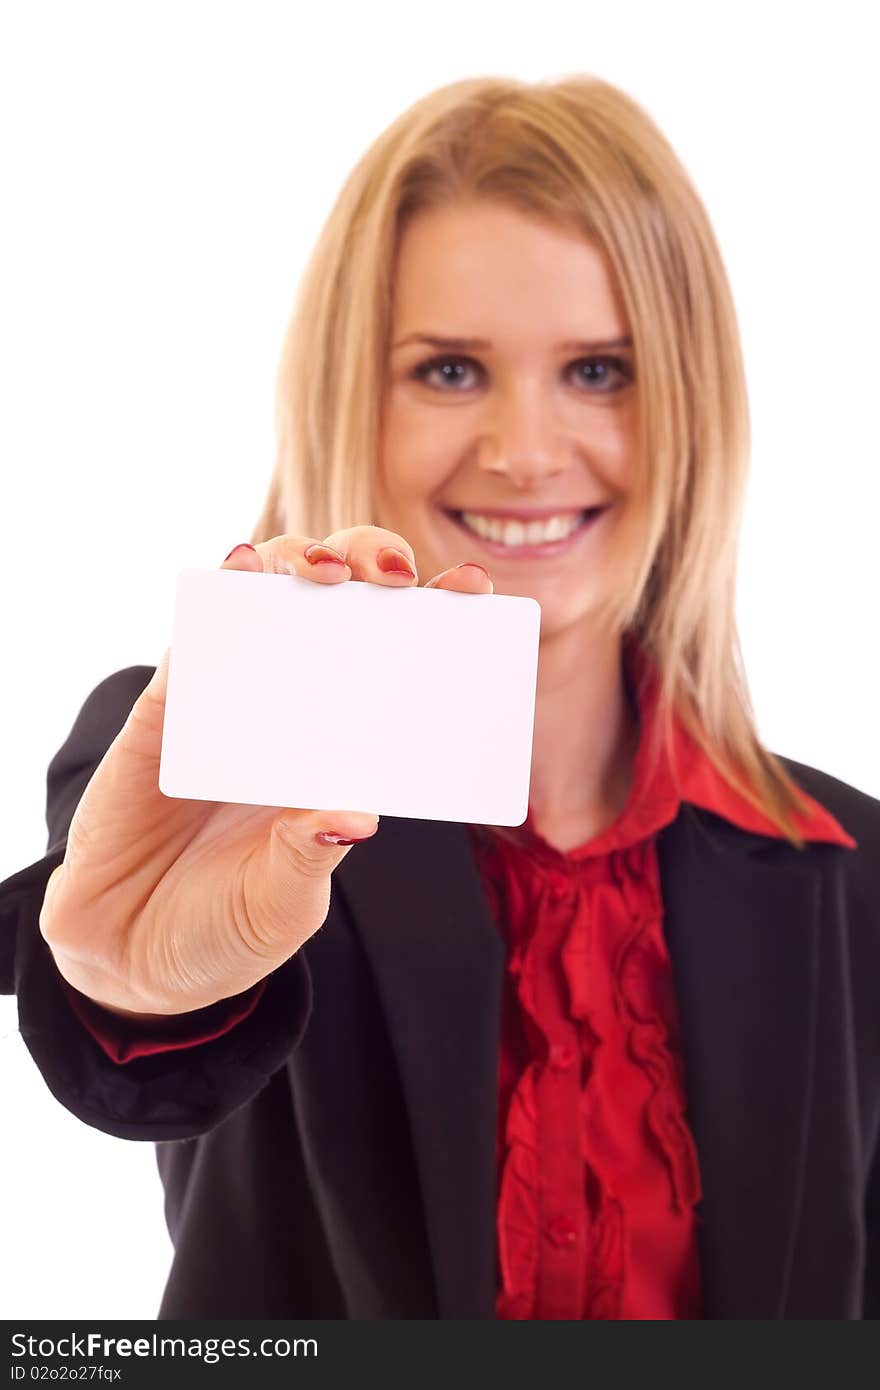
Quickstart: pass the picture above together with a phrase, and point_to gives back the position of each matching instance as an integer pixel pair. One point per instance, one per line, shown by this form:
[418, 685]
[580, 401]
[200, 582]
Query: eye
[600, 375]
[449, 370]
[604, 370]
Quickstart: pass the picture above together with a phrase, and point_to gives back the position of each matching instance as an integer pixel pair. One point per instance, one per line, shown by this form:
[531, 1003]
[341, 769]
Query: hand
[161, 905]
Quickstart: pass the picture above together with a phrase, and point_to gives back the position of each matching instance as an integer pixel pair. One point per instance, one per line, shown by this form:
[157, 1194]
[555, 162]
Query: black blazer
[332, 1156]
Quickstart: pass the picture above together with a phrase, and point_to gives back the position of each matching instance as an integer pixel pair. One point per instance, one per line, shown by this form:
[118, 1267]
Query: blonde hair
[582, 153]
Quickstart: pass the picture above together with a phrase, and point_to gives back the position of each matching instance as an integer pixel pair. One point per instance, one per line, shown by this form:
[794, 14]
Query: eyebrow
[483, 344]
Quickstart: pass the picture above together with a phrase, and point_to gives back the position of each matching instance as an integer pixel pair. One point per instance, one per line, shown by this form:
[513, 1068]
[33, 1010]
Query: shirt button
[562, 1056]
[562, 1231]
[558, 886]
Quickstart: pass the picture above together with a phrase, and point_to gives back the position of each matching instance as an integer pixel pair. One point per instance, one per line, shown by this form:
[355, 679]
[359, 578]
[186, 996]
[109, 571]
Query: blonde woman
[622, 1061]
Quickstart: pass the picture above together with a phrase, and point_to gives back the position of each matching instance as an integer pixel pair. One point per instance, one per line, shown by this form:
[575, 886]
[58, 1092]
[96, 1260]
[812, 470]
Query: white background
[165, 169]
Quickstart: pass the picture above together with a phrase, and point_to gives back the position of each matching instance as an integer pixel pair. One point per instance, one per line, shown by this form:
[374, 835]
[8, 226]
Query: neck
[586, 730]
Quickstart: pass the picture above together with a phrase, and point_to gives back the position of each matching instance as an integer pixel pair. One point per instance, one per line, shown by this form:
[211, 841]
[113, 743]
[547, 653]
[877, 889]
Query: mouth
[529, 551]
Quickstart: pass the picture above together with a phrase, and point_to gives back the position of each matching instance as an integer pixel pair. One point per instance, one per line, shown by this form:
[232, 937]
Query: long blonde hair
[584, 154]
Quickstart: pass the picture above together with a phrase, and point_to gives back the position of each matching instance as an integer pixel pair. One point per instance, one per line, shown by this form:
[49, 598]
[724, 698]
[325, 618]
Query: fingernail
[244, 546]
[472, 565]
[323, 555]
[391, 561]
[327, 837]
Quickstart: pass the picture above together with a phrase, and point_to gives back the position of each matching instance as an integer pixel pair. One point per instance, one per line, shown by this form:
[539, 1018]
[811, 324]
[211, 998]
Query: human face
[523, 420]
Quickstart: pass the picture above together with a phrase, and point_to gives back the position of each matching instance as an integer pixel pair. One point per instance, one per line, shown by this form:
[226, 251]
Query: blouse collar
[656, 793]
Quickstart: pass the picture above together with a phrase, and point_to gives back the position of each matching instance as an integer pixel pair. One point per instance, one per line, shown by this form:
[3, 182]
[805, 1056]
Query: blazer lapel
[438, 961]
[741, 923]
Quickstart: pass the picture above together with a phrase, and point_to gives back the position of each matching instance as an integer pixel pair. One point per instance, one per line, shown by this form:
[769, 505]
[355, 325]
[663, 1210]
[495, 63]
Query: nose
[522, 439]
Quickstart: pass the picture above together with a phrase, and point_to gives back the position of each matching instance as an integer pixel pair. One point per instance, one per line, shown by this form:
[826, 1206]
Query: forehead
[481, 268]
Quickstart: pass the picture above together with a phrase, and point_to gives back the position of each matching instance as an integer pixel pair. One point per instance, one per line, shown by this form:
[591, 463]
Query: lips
[541, 550]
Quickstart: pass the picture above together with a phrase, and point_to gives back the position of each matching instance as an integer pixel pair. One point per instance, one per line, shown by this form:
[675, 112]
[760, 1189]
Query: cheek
[612, 441]
[419, 451]
[626, 433]
[414, 422]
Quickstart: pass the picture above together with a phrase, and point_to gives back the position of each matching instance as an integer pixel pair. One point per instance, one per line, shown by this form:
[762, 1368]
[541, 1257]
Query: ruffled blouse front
[598, 1173]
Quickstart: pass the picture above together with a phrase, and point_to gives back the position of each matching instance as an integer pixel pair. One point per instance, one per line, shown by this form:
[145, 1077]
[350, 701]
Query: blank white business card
[354, 696]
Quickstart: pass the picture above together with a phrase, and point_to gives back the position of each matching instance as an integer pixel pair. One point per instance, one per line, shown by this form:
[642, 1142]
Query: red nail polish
[323, 555]
[327, 837]
[391, 561]
[245, 545]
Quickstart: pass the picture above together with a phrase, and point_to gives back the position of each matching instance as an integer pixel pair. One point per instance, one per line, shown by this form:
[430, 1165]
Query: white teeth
[514, 533]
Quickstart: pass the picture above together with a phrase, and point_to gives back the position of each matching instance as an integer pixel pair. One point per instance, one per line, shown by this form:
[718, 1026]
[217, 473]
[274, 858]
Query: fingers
[372, 551]
[243, 557]
[376, 555]
[368, 553]
[290, 554]
[372, 554]
[468, 578]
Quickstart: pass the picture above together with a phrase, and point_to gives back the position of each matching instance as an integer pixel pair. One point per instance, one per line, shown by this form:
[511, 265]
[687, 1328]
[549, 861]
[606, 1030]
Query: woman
[620, 1062]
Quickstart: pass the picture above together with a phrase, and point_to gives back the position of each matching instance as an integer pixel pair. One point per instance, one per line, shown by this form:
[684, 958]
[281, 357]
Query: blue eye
[440, 364]
[607, 368]
[452, 371]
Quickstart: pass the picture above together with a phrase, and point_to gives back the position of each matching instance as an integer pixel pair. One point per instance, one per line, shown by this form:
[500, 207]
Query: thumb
[292, 869]
[288, 880]
[312, 834]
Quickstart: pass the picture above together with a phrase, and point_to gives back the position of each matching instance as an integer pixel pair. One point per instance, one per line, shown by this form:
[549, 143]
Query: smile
[535, 540]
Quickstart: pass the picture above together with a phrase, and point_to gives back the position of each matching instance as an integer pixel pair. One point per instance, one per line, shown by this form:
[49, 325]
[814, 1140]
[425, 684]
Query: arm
[184, 1089]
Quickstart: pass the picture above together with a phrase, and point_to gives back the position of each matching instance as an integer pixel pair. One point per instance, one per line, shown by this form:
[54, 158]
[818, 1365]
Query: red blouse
[598, 1176]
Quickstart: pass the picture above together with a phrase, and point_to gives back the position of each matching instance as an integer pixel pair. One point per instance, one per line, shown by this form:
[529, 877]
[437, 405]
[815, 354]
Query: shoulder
[105, 708]
[856, 810]
[850, 901]
[118, 690]
[859, 814]
[101, 716]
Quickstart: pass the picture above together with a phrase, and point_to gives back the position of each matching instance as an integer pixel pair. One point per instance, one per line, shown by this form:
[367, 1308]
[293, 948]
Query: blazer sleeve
[123, 1039]
[177, 1092]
